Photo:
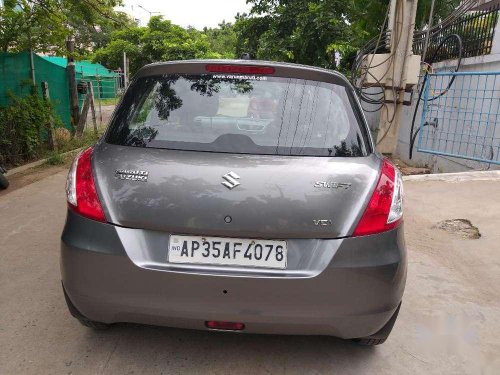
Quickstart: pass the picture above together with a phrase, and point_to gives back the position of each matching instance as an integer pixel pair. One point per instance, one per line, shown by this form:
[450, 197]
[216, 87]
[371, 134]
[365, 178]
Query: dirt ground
[30, 176]
[449, 322]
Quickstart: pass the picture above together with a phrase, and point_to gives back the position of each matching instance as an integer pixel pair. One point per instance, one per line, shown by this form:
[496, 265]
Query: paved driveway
[449, 322]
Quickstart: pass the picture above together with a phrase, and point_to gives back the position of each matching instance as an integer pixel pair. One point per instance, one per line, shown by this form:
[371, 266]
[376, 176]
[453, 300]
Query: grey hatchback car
[236, 196]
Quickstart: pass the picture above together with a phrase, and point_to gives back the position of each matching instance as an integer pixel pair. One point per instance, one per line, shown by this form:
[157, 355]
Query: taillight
[385, 208]
[80, 188]
[241, 69]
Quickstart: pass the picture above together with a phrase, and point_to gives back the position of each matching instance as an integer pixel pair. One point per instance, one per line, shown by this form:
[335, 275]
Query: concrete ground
[449, 322]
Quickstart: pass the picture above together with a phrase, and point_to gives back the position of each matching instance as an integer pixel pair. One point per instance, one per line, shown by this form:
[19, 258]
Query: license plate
[227, 251]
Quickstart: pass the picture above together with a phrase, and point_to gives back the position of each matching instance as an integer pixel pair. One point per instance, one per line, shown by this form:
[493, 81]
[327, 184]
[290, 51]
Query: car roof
[282, 69]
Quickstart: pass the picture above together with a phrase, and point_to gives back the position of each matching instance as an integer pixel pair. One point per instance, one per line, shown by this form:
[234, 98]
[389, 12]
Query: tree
[248, 31]
[44, 25]
[23, 26]
[368, 15]
[164, 41]
[222, 40]
[318, 32]
[309, 32]
[441, 10]
[94, 35]
[160, 40]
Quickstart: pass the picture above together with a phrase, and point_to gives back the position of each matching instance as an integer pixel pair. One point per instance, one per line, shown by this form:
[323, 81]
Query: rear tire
[381, 336]
[369, 342]
[4, 183]
[98, 326]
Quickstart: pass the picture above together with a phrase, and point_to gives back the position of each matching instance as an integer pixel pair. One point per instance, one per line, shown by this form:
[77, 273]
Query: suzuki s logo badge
[231, 180]
[322, 223]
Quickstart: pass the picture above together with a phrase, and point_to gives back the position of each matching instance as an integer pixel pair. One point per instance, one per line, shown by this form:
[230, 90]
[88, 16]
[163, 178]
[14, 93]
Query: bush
[55, 158]
[66, 144]
[87, 139]
[23, 127]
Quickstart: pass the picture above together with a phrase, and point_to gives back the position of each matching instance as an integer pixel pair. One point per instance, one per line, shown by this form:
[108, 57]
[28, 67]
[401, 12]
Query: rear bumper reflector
[227, 326]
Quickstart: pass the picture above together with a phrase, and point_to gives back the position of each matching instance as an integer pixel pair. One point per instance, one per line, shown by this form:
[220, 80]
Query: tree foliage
[368, 15]
[23, 125]
[314, 32]
[222, 39]
[161, 40]
[308, 32]
[318, 32]
[441, 10]
[44, 25]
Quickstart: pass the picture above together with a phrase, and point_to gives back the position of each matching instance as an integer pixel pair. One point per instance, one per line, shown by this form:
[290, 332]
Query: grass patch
[55, 158]
[65, 145]
[108, 101]
[87, 139]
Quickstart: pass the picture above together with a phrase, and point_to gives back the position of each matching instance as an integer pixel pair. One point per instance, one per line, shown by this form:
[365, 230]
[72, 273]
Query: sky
[197, 13]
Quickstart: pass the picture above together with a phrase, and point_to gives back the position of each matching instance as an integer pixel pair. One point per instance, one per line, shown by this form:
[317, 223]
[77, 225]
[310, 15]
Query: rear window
[239, 114]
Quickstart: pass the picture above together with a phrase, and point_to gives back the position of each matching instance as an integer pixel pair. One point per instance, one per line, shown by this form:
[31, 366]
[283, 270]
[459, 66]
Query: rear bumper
[353, 296]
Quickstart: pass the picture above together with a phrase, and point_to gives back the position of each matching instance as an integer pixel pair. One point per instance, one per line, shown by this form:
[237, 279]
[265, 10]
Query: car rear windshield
[239, 114]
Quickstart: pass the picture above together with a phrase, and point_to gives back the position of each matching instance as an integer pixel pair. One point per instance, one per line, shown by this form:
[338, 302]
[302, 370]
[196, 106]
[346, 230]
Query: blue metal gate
[460, 116]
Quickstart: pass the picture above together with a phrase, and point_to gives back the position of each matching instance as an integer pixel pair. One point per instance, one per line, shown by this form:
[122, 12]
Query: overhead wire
[360, 72]
[459, 11]
[373, 46]
[361, 69]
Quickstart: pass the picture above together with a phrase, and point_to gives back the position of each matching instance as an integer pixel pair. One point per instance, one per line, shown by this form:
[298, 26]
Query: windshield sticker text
[236, 76]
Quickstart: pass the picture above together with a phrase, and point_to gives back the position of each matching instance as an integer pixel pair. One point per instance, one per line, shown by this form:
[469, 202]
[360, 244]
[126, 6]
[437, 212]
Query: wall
[442, 163]
[437, 164]
[58, 82]
[15, 77]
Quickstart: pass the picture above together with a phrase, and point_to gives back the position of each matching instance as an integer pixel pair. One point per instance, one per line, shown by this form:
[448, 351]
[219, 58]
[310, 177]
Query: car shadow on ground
[142, 347]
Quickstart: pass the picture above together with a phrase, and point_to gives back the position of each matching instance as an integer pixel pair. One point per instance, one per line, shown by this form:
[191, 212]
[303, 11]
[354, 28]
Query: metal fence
[108, 90]
[460, 116]
[476, 29]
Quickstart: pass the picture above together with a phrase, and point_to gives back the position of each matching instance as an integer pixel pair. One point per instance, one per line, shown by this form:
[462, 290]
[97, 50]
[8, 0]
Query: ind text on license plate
[227, 251]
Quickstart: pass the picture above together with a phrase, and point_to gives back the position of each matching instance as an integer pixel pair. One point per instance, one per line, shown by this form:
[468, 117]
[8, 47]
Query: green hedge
[23, 128]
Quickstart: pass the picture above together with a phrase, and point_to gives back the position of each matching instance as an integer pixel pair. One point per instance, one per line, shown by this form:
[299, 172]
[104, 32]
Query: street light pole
[150, 13]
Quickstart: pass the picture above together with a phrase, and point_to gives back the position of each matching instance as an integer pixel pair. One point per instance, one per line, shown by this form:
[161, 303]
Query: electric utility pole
[401, 25]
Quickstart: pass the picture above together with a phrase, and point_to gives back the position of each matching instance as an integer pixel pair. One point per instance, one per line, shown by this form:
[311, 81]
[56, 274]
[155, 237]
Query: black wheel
[4, 183]
[381, 336]
[83, 319]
